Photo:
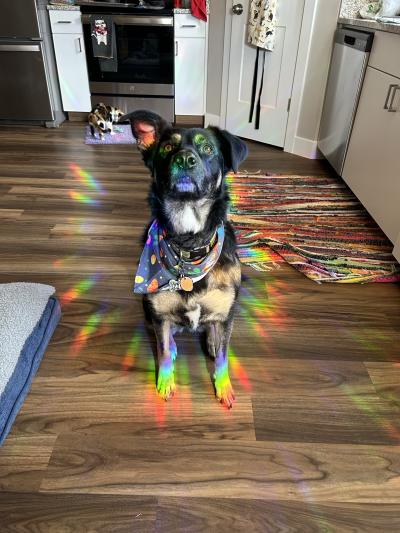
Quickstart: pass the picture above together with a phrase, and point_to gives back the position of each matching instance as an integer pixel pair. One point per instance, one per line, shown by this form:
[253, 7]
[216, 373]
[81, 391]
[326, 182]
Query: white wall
[396, 251]
[216, 34]
[315, 48]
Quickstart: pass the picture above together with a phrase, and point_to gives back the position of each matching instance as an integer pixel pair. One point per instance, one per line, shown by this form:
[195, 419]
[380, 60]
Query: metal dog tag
[186, 284]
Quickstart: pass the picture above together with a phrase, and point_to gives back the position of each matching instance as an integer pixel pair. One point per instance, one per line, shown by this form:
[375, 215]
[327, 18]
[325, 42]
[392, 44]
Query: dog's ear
[233, 149]
[147, 128]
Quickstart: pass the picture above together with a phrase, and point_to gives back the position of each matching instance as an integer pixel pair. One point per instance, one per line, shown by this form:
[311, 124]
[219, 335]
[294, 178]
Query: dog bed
[29, 314]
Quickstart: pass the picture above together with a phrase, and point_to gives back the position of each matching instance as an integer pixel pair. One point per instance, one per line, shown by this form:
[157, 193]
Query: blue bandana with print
[160, 268]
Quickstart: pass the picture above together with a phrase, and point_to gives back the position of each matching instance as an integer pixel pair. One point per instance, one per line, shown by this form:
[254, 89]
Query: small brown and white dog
[114, 113]
[101, 119]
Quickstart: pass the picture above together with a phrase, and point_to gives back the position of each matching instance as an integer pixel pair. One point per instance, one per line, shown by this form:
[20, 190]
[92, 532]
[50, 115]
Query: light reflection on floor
[262, 306]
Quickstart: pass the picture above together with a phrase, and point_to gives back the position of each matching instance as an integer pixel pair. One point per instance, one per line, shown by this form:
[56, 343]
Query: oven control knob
[237, 9]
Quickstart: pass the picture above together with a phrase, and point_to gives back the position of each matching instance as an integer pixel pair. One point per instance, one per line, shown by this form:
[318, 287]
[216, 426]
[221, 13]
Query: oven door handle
[126, 20]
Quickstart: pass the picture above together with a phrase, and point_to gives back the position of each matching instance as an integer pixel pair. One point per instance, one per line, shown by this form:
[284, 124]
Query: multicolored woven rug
[314, 223]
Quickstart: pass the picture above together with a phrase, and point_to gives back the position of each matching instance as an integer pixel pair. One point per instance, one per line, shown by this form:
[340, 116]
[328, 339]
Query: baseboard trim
[212, 120]
[75, 116]
[189, 120]
[306, 148]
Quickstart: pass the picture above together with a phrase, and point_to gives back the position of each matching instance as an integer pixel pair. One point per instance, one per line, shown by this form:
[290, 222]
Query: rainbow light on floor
[114, 316]
[66, 88]
[83, 198]
[182, 401]
[265, 308]
[133, 348]
[58, 263]
[91, 326]
[257, 327]
[260, 254]
[85, 177]
[293, 460]
[239, 371]
[78, 290]
[368, 409]
[154, 405]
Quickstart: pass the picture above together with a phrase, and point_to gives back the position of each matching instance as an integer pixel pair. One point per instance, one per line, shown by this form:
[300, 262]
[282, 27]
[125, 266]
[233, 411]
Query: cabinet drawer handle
[78, 45]
[64, 21]
[189, 26]
[388, 95]
[390, 108]
[176, 48]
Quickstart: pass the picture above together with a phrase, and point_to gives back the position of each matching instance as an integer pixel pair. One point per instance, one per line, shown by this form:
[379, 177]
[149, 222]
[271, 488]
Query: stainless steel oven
[141, 72]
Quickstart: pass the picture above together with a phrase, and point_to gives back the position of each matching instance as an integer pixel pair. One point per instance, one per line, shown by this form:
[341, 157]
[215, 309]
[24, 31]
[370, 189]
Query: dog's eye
[168, 148]
[207, 149]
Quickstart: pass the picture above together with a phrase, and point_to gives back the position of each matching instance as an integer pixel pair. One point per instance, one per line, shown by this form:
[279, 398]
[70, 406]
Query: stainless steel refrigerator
[29, 88]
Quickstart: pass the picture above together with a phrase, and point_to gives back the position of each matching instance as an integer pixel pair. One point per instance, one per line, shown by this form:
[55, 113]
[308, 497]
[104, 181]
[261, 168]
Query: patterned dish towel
[262, 23]
[261, 33]
[102, 35]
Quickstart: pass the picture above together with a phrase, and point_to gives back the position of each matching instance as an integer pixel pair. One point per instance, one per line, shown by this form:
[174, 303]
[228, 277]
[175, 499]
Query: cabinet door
[372, 167]
[72, 71]
[189, 76]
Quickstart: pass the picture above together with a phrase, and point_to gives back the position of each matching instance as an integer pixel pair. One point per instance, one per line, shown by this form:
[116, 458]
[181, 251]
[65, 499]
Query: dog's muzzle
[184, 184]
[185, 160]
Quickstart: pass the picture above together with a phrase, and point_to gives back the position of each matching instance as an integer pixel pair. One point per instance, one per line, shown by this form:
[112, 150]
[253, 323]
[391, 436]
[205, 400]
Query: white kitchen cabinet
[189, 76]
[190, 65]
[71, 60]
[372, 167]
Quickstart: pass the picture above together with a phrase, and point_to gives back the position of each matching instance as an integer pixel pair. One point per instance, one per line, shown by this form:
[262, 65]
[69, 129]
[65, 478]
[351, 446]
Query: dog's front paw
[224, 391]
[166, 383]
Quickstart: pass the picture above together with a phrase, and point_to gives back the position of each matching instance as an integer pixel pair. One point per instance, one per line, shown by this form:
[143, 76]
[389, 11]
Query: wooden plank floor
[312, 443]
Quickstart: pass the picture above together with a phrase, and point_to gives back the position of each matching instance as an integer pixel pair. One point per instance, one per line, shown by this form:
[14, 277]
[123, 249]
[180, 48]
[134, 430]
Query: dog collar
[162, 267]
[195, 254]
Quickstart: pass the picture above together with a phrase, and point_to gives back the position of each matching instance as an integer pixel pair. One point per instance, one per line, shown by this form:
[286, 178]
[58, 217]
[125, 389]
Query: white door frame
[300, 70]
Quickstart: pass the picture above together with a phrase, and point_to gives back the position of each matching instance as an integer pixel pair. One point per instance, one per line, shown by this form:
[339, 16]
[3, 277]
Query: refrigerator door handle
[19, 48]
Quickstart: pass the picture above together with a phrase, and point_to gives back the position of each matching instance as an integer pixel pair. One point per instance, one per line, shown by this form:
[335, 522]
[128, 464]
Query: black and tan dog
[190, 247]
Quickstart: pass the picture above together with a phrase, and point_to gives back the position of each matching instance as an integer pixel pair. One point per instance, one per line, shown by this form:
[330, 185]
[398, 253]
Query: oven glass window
[143, 54]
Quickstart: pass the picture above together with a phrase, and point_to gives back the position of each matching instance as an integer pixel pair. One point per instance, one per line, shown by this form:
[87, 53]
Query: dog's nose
[185, 160]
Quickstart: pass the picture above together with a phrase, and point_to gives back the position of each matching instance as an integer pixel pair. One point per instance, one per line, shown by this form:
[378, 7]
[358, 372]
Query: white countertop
[371, 24]
[62, 7]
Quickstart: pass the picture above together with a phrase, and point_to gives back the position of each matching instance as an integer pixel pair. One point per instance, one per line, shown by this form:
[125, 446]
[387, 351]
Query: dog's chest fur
[186, 217]
[211, 303]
